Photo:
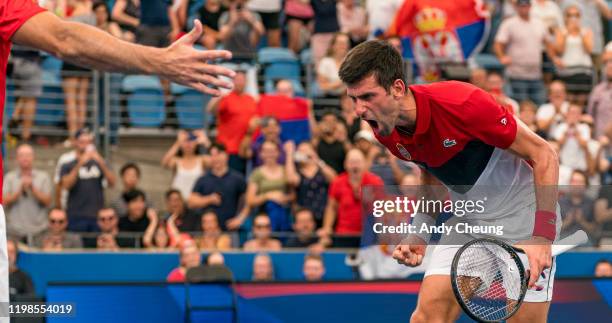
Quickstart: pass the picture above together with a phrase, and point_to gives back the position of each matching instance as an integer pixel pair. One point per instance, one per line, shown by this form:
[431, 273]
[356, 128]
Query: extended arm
[88, 46]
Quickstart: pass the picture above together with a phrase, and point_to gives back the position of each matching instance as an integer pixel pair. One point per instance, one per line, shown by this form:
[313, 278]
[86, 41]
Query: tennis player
[459, 135]
[25, 23]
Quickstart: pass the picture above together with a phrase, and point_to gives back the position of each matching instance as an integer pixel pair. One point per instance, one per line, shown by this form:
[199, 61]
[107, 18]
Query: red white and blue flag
[440, 31]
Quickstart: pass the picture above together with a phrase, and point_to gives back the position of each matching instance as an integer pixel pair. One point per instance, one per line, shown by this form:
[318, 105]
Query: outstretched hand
[188, 66]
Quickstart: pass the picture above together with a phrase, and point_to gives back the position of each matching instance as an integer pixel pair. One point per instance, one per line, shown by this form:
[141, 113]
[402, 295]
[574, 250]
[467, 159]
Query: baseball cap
[364, 134]
[523, 2]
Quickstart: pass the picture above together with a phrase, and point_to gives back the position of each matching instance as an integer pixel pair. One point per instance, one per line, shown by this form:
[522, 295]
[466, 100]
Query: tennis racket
[489, 279]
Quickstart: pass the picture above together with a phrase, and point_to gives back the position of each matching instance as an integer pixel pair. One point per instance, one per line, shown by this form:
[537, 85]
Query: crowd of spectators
[251, 186]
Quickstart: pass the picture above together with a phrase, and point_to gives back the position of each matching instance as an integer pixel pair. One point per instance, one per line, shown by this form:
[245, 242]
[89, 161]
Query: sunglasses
[570, 15]
[106, 218]
[262, 226]
[53, 221]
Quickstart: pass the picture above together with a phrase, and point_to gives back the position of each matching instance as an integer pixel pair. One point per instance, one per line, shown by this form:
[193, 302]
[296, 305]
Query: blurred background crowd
[109, 162]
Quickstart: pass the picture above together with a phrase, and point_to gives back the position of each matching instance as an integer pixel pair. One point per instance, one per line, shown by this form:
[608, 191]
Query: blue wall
[574, 301]
[152, 267]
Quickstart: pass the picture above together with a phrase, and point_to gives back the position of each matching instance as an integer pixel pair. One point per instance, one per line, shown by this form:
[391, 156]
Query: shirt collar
[423, 110]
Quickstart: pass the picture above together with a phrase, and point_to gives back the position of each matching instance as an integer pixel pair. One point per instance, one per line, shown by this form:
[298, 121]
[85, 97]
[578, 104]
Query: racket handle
[577, 238]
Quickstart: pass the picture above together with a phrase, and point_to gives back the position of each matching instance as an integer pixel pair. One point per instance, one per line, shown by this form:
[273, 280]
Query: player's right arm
[91, 47]
[411, 250]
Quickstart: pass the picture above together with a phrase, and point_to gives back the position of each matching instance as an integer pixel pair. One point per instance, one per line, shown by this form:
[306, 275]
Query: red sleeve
[13, 14]
[333, 190]
[487, 120]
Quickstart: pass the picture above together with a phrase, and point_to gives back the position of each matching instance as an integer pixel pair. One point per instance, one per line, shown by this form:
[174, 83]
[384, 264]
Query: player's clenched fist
[410, 252]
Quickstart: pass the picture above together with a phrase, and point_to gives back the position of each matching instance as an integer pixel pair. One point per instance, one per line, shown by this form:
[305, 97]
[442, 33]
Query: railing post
[107, 115]
[96, 107]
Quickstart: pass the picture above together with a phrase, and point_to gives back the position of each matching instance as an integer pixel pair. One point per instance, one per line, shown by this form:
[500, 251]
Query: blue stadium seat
[52, 69]
[283, 70]
[306, 56]
[488, 62]
[190, 109]
[50, 109]
[269, 55]
[145, 102]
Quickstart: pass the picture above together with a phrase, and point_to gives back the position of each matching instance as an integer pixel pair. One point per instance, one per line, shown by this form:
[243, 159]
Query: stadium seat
[306, 57]
[488, 62]
[268, 55]
[50, 109]
[279, 63]
[190, 109]
[145, 102]
[221, 275]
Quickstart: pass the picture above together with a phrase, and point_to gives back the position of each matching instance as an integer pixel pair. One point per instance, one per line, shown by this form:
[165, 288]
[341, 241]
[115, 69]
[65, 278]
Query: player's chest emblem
[403, 151]
[447, 143]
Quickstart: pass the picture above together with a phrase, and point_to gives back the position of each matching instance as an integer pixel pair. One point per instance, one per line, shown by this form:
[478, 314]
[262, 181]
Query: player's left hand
[183, 64]
[539, 255]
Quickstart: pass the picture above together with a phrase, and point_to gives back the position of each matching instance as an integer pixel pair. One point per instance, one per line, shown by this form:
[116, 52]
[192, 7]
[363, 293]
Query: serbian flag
[440, 31]
[292, 114]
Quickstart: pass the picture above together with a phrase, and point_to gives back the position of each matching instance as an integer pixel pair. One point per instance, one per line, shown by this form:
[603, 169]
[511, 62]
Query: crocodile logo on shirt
[449, 143]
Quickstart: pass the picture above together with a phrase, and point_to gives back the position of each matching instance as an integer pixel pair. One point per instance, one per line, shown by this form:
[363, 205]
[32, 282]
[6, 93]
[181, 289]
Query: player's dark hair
[374, 57]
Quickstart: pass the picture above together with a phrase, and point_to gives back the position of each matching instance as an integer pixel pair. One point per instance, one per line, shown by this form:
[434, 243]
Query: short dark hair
[172, 191]
[217, 145]
[127, 166]
[133, 195]
[373, 57]
[329, 111]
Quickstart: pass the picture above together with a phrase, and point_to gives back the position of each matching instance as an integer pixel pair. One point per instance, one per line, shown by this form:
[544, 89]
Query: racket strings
[489, 281]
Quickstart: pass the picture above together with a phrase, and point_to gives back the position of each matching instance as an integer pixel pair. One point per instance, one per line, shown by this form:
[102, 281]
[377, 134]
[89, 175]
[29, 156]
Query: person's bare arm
[91, 47]
[552, 53]
[147, 238]
[213, 106]
[9, 198]
[603, 8]
[560, 37]
[545, 163]
[120, 16]
[499, 49]
[42, 197]
[587, 41]
[70, 179]
[603, 211]
[110, 177]
[329, 218]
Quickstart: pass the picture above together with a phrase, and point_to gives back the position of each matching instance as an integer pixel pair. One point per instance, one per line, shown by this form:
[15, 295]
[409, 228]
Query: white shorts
[442, 258]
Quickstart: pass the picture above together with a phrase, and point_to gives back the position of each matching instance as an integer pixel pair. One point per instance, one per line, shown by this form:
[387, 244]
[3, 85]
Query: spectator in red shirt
[343, 212]
[189, 257]
[234, 112]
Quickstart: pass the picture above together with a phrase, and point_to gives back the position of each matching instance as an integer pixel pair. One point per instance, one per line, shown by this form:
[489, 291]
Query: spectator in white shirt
[551, 114]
